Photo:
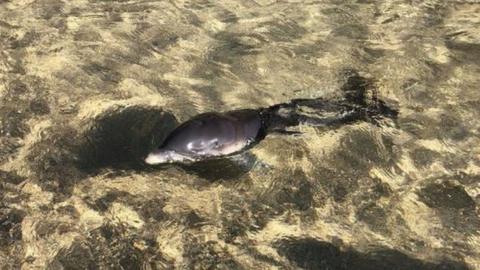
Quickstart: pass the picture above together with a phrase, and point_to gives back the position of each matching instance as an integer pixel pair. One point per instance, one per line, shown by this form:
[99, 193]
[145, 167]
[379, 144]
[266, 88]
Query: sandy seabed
[88, 87]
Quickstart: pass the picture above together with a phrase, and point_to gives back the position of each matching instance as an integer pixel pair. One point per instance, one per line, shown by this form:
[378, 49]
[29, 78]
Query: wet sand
[89, 87]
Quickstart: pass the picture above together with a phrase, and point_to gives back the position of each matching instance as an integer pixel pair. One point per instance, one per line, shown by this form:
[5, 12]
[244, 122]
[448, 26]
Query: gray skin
[209, 135]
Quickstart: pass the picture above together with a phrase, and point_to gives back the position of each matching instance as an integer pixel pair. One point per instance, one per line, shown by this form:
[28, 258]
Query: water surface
[87, 87]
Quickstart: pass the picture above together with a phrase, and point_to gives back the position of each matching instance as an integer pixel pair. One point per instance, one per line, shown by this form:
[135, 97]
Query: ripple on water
[402, 196]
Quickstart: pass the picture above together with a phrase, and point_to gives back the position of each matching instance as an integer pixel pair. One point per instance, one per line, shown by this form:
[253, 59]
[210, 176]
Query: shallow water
[89, 86]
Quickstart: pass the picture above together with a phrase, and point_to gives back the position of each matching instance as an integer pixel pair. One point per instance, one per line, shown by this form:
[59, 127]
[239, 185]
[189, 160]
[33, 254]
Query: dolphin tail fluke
[359, 103]
[360, 91]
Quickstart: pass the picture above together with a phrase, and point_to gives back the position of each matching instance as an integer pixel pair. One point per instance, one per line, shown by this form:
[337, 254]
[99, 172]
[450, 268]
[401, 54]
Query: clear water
[85, 84]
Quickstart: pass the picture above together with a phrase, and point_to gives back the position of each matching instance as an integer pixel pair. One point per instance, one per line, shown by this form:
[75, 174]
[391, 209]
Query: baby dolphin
[210, 135]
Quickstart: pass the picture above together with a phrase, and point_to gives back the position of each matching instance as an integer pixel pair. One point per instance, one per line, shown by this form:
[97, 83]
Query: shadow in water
[121, 138]
[309, 253]
[227, 168]
[118, 138]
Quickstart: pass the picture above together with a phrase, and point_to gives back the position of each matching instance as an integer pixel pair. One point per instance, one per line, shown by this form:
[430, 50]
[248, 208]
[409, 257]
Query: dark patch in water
[53, 160]
[144, 41]
[227, 16]
[374, 53]
[122, 137]
[337, 184]
[237, 222]
[452, 127]
[27, 39]
[106, 72]
[68, 210]
[148, 209]
[448, 126]
[466, 50]
[359, 151]
[207, 255]
[77, 257]
[199, 4]
[244, 214]
[423, 157]
[285, 30]
[193, 220]
[163, 39]
[234, 50]
[47, 9]
[374, 216]
[381, 190]
[455, 207]
[44, 228]
[231, 46]
[352, 31]
[103, 203]
[39, 106]
[370, 191]
[295, 193]
[10, 226]
[228, 168]
[10, 177]
[309, 253]
[110, 247]
[11, 219]
[151, 210]
[17, 87]
[446, 195]
[12, 122]
[340, 193]
[86, 34]
[24, 98]
[8, 147]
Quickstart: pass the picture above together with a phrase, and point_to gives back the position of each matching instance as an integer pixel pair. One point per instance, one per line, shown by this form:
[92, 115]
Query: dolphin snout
[154, 158]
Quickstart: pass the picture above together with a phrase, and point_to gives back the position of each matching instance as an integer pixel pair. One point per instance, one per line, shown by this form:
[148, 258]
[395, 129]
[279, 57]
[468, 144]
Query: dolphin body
[210, 135]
